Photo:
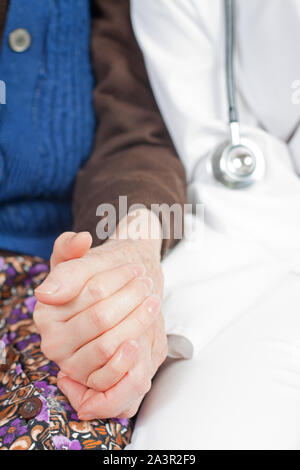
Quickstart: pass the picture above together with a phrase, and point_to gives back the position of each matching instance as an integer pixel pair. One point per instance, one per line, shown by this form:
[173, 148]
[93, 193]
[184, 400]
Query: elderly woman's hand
[124, 398]
[100, 321]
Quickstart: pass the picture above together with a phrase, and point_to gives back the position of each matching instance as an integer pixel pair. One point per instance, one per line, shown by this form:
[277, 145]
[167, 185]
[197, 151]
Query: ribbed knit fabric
[3, 8]
[47, 124]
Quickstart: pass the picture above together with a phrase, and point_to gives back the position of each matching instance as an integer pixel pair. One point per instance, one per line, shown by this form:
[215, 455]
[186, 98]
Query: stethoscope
[238, 163]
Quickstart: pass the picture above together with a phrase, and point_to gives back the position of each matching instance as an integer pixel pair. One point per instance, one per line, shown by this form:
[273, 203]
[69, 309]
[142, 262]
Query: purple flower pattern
[57, 421]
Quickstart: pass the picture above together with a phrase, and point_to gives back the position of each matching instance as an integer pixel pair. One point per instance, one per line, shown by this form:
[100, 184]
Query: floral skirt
[34, 414]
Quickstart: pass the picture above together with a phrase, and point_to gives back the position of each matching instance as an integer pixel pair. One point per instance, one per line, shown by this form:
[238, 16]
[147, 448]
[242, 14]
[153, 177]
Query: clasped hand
[98, 314]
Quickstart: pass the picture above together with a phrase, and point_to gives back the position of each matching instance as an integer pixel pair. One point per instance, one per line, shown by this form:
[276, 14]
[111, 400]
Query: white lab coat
[232, 297]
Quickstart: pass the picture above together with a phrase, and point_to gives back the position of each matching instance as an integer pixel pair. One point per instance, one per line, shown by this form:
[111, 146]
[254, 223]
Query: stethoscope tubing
[230, 48]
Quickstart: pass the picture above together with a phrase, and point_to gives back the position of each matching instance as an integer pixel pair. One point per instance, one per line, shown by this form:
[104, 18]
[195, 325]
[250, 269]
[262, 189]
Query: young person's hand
[95, 307]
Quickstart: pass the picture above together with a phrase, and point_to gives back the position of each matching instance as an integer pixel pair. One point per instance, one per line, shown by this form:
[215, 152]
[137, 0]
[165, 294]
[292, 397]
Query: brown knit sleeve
[3, 10]
[133, 154]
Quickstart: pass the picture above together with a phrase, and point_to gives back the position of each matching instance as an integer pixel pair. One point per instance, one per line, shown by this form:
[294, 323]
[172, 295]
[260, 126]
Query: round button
[19, 40]
[31, 408]
[4, 366]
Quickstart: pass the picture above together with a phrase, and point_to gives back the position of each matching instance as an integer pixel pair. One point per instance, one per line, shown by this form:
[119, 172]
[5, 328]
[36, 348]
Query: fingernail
[86, 416]
[139, 270]
[148, 283]
[153, 304]
[48, 288]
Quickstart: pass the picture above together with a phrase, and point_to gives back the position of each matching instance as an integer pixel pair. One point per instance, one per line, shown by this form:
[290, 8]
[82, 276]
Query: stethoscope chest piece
[237, 166]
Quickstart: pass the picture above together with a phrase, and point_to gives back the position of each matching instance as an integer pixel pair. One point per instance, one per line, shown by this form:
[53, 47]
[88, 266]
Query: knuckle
[67, 367]
[98, 318]
[114, 369]
[50, 342]
[92, 382]
[95, 290]
[103, 350]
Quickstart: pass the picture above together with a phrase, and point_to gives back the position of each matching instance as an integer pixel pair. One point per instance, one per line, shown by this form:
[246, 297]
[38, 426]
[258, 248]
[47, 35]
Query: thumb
[70, 245]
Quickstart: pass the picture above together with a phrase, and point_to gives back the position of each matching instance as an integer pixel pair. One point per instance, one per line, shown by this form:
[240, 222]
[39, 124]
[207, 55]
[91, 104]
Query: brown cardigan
[133, 154]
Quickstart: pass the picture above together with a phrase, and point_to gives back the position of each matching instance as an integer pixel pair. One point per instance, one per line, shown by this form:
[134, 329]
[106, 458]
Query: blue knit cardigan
[47, 123]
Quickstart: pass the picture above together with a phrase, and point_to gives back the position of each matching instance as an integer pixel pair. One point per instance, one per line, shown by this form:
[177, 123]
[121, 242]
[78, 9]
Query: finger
[66, 280]
[75, 392]
[115, 369]
[104, 285]
[144, 363]
[97, 288]
[108, 313]
[98, 352]
[115, 401]
[70, 245]
[87, 325]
